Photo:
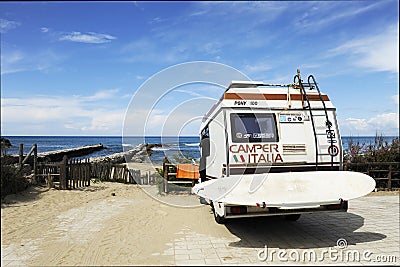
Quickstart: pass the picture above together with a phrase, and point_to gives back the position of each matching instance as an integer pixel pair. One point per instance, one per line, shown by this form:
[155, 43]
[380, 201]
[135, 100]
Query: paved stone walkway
[368, 234]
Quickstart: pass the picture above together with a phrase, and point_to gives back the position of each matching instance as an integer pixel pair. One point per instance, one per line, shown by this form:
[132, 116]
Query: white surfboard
[287, 190]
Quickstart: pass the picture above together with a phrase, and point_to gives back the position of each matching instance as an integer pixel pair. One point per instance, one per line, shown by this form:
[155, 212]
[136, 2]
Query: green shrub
[180, 158]
[12, 179]
[378, 151]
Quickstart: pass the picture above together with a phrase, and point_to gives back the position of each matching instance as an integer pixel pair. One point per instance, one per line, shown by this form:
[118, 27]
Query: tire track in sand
[75, 230]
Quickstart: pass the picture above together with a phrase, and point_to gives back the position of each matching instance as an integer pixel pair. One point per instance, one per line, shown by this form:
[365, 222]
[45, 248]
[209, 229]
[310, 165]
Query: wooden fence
[48, 172]
[120, 173]
[73, 173]
[67, 174]
[78, 173]
[386, 174]
[70, 174]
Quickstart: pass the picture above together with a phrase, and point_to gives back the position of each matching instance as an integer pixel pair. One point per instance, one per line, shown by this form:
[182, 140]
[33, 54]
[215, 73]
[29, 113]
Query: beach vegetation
[5, 144]
[13, 179]
[377, 151]
[379, 159]
[180, 158]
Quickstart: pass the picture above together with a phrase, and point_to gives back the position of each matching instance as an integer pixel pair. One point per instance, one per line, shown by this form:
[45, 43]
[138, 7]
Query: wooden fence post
[389, 184]
[63, 174]
[109, 171]
[131, 179]
[21, 154]
[72, 173]
[79, 165]
[165, 171]
[35, 163]
[49, 180]
[88, 172]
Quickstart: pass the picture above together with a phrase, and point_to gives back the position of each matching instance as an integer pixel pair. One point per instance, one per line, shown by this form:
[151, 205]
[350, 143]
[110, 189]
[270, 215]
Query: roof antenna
[301, 87]
[298, 75]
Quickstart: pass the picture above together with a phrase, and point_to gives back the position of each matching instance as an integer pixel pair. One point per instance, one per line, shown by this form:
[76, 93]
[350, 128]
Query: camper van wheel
[292, 217]
[219, 219]
[203, 201]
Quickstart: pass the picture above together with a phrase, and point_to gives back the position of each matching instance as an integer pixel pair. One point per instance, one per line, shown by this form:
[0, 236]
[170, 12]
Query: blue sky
[72, 68]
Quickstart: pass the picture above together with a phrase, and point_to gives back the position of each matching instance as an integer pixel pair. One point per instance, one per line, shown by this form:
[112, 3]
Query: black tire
[292, 217]
[203, 201]
[218, 219]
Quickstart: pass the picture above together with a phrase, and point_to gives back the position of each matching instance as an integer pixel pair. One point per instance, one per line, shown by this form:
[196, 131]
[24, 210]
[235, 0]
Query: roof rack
[255, 84]
[244, 84]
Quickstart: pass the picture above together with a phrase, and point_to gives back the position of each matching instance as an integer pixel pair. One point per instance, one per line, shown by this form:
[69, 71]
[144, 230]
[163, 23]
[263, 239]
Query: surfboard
[287, 190]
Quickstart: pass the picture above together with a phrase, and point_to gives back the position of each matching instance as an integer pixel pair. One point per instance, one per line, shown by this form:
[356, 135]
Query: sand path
[92, 227]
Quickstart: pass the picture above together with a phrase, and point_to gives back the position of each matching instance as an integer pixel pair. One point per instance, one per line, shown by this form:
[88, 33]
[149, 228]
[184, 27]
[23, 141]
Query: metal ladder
[328, 123]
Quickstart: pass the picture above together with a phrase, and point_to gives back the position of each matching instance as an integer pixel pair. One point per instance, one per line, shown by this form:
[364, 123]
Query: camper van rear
[274, 150]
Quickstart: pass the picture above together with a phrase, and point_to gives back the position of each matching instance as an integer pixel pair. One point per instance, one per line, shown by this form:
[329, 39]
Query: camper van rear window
[253, 127]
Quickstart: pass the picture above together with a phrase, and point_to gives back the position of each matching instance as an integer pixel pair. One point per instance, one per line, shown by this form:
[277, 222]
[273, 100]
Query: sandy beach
[119, 224]
[104, 224]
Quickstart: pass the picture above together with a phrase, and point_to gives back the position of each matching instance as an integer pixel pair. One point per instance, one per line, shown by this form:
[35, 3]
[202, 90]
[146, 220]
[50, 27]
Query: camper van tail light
[238, 210]
[333, 207]
[342, 206]
[262, 205]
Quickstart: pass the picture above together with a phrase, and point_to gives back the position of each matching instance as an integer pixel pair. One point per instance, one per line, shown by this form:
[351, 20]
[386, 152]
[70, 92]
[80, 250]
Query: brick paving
[368, 234]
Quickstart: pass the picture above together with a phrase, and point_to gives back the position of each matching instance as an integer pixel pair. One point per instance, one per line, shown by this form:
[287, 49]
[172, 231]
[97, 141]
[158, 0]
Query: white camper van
[270, 149]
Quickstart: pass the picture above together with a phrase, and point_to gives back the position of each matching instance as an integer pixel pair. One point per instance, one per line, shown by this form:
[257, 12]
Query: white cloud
[157, 20]
[107, 122]
[212, 47]
[90, 38]
[234, 9]
[55, 115]
[378, 52]
[12, 57]
[6, 25]
[189, 92]
[386, 123]
[318, 15]
[44, 29]
[105, 94]
[255, 68]
[13, 60]
[395, 99]
[147, 50]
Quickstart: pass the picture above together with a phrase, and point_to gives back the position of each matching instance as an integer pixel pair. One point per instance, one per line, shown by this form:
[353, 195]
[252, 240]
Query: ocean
[187, 145]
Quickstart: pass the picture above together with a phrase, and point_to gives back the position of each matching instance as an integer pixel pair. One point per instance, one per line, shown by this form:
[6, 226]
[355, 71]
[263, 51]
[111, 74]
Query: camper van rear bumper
[252, 211]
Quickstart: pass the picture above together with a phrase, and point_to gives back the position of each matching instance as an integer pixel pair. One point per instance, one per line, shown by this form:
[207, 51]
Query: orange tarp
[187, 171]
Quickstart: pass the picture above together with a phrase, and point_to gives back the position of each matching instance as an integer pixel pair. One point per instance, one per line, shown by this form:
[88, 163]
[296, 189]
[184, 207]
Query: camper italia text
[256, 153]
